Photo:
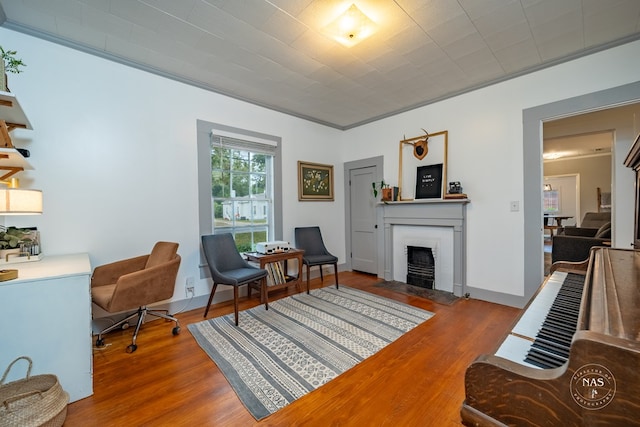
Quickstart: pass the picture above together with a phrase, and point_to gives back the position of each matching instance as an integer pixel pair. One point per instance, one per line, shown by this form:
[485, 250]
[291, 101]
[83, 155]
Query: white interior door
[364, 255]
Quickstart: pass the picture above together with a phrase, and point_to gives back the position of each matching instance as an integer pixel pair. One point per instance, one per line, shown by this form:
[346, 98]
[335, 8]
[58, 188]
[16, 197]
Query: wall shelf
[12, 116]
[12, 113]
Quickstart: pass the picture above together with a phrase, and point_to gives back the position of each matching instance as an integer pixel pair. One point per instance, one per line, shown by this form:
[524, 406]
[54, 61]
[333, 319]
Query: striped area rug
[303, 341]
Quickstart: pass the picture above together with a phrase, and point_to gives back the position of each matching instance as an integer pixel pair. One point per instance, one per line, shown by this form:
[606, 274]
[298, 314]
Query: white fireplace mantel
[433, 213]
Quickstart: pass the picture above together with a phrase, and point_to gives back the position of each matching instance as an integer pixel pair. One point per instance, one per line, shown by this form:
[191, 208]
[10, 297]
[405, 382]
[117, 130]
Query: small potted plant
[387, 192]
[9, 64]
[12, 239]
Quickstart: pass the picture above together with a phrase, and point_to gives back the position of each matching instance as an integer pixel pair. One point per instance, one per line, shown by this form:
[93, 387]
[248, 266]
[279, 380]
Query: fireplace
[438, 241]
[421, 267]
[435, 224]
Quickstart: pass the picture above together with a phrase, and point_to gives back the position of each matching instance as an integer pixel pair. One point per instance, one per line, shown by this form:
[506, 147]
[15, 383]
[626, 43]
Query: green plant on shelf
[378, 186]
[11, 63]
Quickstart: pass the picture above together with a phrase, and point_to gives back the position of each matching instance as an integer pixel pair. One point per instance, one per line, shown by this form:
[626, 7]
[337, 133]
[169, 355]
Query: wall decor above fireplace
[414, 158]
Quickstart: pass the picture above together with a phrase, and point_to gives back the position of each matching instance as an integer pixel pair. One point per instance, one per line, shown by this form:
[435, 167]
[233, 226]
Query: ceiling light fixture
[351, 27]
[18, 201]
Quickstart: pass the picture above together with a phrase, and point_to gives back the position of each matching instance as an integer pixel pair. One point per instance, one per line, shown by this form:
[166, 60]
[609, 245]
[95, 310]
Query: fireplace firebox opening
[421, 268]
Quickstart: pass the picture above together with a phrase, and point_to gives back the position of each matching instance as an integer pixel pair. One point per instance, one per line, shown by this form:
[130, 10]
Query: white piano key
[515, 349]
[532, 319]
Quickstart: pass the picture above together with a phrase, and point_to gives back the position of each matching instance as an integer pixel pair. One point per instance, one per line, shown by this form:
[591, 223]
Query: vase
[3, 78]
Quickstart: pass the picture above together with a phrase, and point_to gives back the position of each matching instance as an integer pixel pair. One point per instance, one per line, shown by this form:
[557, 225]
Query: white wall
[114, 150]
[486, 154]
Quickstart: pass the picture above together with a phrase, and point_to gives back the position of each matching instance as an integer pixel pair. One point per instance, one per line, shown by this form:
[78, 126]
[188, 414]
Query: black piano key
[552, 344]
[551, 347]
[543, 359]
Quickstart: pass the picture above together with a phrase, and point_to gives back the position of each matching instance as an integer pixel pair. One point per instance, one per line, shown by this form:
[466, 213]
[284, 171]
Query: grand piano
[572, 357]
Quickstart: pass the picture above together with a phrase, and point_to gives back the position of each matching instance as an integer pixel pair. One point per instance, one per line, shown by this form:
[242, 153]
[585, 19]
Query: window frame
[205, 208]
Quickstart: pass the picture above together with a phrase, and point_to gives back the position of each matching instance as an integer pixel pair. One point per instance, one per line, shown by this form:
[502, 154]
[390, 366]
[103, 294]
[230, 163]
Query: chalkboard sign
[429, 182]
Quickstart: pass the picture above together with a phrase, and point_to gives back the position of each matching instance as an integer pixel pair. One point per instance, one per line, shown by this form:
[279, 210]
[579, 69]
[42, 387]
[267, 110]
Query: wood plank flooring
[416, 381]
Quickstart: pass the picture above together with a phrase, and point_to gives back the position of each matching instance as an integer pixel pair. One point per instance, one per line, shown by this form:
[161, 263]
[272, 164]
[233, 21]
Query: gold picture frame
[415, 159]
[315, 182]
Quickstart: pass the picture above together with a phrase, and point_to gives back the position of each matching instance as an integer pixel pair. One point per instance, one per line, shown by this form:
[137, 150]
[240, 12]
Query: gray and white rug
[303, 341]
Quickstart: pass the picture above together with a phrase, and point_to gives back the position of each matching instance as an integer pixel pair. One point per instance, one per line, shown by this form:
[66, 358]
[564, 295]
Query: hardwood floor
[416, 381]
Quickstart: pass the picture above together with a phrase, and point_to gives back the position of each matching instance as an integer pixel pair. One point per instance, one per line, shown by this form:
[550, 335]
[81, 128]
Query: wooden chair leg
[235, 303]
[335, 271]
[213, 291]
[265, 294]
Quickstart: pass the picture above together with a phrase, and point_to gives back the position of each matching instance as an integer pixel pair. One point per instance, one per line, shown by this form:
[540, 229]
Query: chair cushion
[319, 259]
[102, 295]
[604, 231]
[162, 252]
[240, 276]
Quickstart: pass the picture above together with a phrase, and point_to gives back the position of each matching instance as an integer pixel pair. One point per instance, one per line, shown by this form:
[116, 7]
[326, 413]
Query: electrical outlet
[189, 287]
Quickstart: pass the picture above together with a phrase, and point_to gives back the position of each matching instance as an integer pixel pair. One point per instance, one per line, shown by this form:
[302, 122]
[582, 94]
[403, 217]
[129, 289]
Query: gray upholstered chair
[310, 240]
[227, 267]
[576, 243]
[134, 283]
[590, 224]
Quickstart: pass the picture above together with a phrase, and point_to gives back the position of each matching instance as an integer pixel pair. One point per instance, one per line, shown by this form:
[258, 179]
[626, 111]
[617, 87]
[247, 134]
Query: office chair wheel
[99, 342]
[125, 325]
[131, 348]
[176, 330]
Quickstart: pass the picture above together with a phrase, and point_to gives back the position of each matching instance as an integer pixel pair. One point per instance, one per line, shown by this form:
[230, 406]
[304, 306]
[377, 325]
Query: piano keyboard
[542, 337]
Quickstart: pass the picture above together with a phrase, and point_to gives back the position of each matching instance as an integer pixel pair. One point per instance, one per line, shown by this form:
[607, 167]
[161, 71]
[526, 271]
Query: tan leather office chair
[135, 283]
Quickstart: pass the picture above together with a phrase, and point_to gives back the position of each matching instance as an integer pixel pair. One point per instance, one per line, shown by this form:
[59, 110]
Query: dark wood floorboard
[416, 381]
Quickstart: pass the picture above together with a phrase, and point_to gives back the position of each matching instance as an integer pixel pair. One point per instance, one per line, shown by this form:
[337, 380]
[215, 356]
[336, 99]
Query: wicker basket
[32, 401]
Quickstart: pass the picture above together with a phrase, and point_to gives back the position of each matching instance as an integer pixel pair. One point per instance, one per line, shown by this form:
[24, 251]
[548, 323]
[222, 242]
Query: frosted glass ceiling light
[18, 201]
[351, 27]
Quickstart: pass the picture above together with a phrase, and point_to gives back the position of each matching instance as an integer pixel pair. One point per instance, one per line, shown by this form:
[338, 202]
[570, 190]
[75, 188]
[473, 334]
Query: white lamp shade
[18, 201]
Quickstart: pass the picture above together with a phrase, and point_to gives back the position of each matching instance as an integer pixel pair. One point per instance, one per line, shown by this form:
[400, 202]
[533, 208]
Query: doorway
[533, 118]
[361, 214]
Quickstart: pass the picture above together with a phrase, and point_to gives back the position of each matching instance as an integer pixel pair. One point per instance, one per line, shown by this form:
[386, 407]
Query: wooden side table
[264, 259]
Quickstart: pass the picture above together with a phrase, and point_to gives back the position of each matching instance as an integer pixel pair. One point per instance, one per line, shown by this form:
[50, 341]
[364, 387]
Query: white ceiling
[273, 52]
[588, 144]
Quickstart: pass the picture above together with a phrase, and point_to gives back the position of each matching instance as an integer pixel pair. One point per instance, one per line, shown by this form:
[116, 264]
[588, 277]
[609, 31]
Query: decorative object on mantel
[9, 64]
[419, 149]
[429, 182]
[450, 196]
[315, 182]
[455, 191]
[385, 189]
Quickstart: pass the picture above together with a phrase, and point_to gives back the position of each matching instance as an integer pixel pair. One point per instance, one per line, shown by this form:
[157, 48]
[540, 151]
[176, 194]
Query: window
[242, 186]
[551, 201]
[239, 176]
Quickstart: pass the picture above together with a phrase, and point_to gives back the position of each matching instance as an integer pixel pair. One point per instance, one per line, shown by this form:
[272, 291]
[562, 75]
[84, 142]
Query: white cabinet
[46, 314]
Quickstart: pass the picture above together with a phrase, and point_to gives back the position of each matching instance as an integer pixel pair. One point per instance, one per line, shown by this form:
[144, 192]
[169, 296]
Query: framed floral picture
[315, 181]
